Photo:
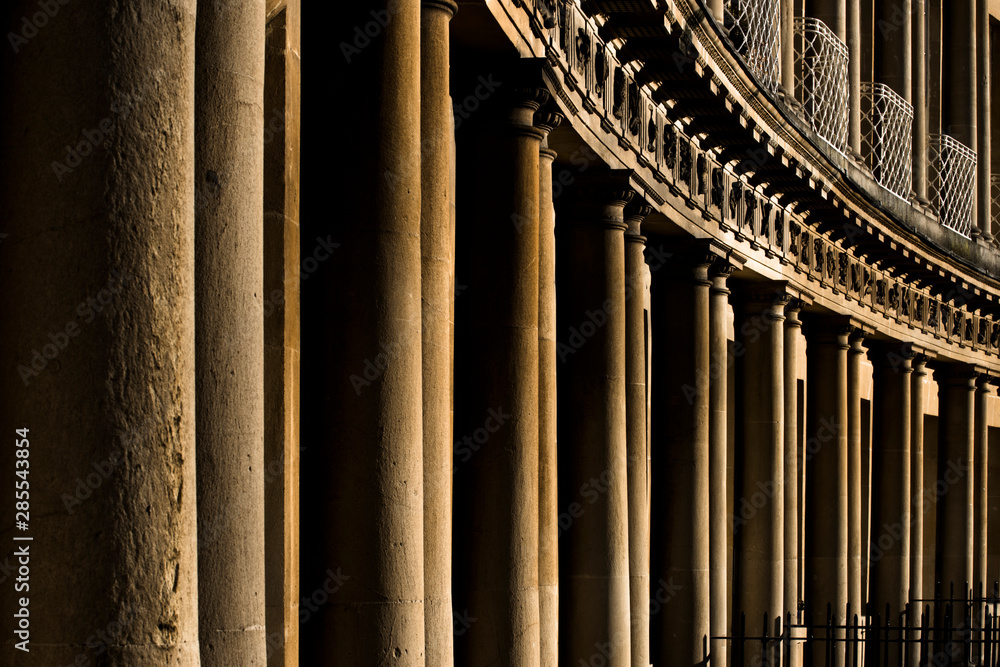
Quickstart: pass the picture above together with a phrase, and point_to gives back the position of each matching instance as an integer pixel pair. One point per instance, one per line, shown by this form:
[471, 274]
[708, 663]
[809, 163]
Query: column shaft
[758, 528]
[363, 481]
[102, 376]
[436, 288]
[917, 394]
[787, 42]
[548, 498]
[594, 591]
[980, 575]
[718, 456]
[893, 42]
[792, 550]
[635, 397]
[956, 432]
[680, 561]
[961, 67]
[983, 147]
[855, 503]
[833, 13]
[855, 49]
[229, 349]
[919, 98]
[891, 506]
[827, 481]
[497, 406]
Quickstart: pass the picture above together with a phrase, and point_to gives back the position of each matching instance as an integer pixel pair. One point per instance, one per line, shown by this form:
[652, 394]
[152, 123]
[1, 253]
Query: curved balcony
[887, 137]
[821, 61]
[754, 29]
[952, 182]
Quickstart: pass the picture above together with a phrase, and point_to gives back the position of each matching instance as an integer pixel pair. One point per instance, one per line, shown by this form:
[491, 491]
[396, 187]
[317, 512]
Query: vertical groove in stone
[496, 473]
[827, 484]
[635, 397]
[595, 598]
[363, 549]
[855, 542]
[436, 285]
[229, 337]
[718, 457]
[548, 479]
[759, 522]
[107, 247]
[680, 623]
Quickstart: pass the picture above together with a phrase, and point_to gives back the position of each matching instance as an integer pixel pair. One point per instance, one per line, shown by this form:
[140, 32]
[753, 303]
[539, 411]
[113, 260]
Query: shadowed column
[99, 255]
[891, 489]
[436, 287]
[917, 394]
[229, 282]
[984, 193]
[594, 548]
[680, 561]
[758, 528]
[826, 479]
[635, 387]
[856, 543]
[548, 497]
[497, 366]
[363, 469]
[982, 583]
[719, 293]
[918, 72]
[960, 99]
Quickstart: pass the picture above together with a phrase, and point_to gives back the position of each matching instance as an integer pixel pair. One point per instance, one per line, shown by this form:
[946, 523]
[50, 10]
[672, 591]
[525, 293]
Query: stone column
[594, 591]
[718, 11]
[635, 406]
[497, 366]
[758, 528]
[680, 561]
[826, 478]
[99, 333]
[792, 550]
[833, 13]
[891, 504]
[893, 39]
[548, 498]
[918, 71]
[961, 60]
[365, 406]
[229, 338]
[856, 542]
[855, 49]
[980, 575]
[787, 42]
[718, 456]
[955, 518]
[436, 288]
[984, 164]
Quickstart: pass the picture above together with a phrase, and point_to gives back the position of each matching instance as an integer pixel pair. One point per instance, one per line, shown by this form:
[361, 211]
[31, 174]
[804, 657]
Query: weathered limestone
[826, 477]
[718, 455]
[637, 423]
[365, 414]
[792, 549]
[103, 255]
[955, 514]
[980, 575]
[680, 560]
[787, 43]
[891, 488]
[548, 476]
[718, 10]
[282, 314]
[594, 595]
[856, 543]
[436, 285]
[917, 394]
[229, 338]
[758, 529]
[497, 407]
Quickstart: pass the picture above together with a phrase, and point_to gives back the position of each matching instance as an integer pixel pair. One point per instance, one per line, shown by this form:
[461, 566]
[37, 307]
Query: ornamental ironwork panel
[821, 79]
[887, 137]
[952, 182]
[754, 33]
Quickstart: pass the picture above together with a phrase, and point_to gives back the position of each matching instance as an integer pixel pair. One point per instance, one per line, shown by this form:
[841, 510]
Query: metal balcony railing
[821, 79]
[754, 34]
[952, 182]
[995, 196]
[887, 137]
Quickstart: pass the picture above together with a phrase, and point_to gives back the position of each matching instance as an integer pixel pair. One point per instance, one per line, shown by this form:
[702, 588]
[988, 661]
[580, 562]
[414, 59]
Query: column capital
[449, 6]
[792, 310]
[764, 297]
[547, 120]
[893, 355]
[599, 198]
[833, 330]
[722, 269]
[957, 374]
[692, 258]
[635, 212]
